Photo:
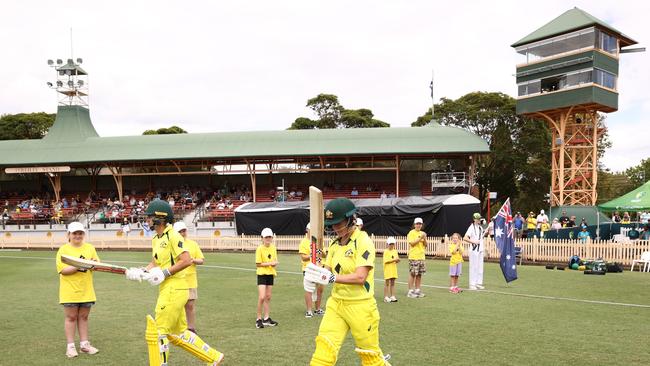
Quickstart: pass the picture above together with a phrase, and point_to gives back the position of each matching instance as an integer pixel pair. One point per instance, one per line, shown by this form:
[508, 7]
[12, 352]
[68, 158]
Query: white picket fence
[533, 250]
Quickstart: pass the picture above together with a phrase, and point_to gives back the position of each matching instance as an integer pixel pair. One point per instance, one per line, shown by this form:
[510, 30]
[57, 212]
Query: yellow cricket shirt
[344, 259]
[305, 248]
[264, 254]
[77, 287]
[166, 248]
[416, 252]
[455, 257]
[390, 269]
[531, 223]
[195, 253]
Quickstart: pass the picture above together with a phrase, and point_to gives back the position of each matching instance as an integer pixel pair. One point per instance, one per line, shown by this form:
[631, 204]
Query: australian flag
[505, 240]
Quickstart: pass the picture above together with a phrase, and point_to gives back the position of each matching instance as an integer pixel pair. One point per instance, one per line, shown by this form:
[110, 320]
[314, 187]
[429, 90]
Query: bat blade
[92, 265]
[316, 221]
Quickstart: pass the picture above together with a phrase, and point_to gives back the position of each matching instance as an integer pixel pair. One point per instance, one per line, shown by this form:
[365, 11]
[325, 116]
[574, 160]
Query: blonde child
[391, 258]
[76, 292]
[266, 258]
[455, 262]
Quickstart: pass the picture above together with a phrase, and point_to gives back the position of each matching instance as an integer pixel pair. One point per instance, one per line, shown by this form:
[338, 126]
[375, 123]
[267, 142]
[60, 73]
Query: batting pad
[193, 344]
[325, 353]
[371, 358]
[157, 345]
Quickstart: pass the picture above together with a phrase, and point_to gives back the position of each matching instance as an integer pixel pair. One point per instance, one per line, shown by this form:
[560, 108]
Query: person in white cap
[474, 235]
[266, 259]
[304, 250]
[391, 258]
[190, 274]
[541, 218]
[417, 240]
[76, 291]
[359, 223]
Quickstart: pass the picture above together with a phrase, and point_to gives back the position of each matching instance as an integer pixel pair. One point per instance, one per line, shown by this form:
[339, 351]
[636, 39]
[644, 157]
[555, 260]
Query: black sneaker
[259, 324]
[269, 322]
[319, 312]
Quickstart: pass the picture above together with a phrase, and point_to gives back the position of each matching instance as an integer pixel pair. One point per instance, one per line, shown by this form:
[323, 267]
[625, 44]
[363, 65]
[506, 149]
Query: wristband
[166, 272]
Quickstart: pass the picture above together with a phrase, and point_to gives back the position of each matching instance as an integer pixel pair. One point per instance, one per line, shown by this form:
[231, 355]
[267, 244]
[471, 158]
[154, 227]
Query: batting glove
[316, 274]
[308, 285]
[156, 276]
[134, 274]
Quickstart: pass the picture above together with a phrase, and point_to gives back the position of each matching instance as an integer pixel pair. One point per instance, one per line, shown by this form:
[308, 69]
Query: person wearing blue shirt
[519, 225]
[584, 234]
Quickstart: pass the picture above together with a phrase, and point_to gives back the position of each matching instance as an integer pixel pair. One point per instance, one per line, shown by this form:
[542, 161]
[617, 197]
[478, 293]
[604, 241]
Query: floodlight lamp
[79, 60]
[80, 82]
[70, 61]
[59, 83]
[59, 61]
[50, 62]
[70, 83]
[49, 84]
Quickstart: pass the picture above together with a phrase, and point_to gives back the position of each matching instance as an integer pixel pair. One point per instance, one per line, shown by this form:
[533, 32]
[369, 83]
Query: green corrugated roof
[66, 145]
[569, 21]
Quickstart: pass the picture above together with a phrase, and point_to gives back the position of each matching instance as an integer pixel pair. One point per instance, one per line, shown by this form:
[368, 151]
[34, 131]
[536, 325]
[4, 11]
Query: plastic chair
[645, 260]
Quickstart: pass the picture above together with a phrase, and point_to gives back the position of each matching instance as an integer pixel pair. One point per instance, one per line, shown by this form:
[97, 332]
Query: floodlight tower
[71, 82]
[568, 78]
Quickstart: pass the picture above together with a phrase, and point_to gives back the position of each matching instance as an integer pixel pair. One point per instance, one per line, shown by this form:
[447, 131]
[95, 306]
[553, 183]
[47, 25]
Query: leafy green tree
[639, 174]
[331, 114]
[165, 131]
[24, 126]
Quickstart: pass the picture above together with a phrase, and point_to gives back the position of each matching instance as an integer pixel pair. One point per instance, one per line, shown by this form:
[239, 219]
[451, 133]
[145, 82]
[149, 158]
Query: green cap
[476, 216]
[160, 209]
[338, 210]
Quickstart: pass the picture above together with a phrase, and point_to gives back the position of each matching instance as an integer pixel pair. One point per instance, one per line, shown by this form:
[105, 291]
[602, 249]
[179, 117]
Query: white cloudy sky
[251, 65]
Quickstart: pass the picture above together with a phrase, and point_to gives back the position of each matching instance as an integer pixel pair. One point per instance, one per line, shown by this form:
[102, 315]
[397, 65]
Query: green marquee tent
[637, 200]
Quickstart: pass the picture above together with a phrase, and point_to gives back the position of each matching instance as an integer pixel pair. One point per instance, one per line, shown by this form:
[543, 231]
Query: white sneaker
[473, 288]
[419, 293]
[386, 299]
[393, 299]
[71, 352]
[411, 294]
[87, 348]
[480, 287]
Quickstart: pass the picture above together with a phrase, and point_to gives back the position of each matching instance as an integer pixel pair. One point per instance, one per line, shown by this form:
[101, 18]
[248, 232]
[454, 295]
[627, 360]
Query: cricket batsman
[349, 265]
[170, 257]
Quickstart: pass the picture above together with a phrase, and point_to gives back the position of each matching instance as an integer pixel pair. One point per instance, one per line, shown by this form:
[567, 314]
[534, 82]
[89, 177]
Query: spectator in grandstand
[126, 228]
[544, 227]
[266, 259]
[616, 217]
[391, 195]
[132, 201]
[519, 225]
[583, 222]
[572, 221]
[556, 224]
[221, 205]
[417, 240]
[645, 217]
[354, 192]
[626, 218]
[383, 194]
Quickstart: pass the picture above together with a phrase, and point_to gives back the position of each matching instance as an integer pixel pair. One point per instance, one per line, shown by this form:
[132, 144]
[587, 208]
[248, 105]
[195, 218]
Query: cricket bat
[82, 263]
[316, 225]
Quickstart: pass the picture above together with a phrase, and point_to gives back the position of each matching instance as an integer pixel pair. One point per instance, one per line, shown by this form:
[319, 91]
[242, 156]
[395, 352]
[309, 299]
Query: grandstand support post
[116, 172]
[397, 176]
[251, 172]
[55, 180]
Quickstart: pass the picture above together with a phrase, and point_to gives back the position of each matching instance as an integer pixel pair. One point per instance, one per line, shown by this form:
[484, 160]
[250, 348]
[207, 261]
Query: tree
[165, 131]
[331, 114]
[24, 126]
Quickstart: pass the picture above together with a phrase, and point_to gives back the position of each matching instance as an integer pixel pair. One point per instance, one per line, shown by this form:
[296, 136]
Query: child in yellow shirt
[455, 262]
[391, 258]
[76, 292]
[266, 259]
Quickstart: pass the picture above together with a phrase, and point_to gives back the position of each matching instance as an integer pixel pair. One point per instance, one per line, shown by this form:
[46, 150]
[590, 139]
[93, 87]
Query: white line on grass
[402, 283]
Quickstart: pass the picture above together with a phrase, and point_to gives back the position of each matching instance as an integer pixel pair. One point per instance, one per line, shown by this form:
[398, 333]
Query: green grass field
[492, 327]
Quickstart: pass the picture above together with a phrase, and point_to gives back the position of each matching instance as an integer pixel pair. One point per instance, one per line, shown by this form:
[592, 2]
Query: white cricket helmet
[267, 232]
[179, 225]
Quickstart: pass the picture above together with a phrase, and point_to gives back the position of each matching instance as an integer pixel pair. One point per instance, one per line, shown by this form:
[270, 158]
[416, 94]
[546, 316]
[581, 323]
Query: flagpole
[433, 99]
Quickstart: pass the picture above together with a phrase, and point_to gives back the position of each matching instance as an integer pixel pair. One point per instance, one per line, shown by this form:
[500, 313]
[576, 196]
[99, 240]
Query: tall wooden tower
[568, 77]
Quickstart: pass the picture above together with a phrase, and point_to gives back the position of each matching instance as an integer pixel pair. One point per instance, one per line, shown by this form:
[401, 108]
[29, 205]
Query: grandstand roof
[73, 140]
